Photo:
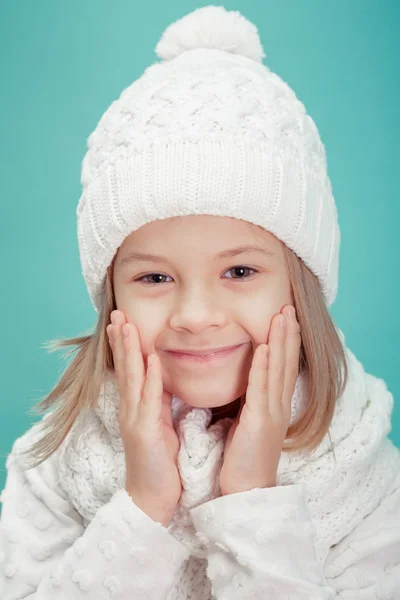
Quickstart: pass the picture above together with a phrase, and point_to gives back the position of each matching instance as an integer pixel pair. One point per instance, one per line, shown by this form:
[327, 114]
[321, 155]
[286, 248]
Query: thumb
[166, 408]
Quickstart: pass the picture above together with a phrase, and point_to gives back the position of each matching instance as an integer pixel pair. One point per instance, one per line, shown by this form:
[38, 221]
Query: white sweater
[330, 529]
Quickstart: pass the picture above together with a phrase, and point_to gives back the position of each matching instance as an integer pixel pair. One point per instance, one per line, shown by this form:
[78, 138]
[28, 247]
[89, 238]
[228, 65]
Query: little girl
[214, 437]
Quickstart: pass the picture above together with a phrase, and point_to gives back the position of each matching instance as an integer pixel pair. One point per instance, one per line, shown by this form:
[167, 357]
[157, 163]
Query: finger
[166, 408]
[276, 365]
[292, 356]
[257, 387]
[118, 319]
[151, 403]
[243, 399]
[134, 368]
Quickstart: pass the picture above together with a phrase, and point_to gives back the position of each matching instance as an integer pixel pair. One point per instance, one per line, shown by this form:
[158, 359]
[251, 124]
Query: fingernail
[282, 321]
[125, 332]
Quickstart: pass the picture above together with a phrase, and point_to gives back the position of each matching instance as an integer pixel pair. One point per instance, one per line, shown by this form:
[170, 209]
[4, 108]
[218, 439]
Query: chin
[208, 397]
[206, 401]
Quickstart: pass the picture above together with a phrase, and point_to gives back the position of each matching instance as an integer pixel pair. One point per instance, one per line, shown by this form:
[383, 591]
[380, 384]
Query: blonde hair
[322, 356]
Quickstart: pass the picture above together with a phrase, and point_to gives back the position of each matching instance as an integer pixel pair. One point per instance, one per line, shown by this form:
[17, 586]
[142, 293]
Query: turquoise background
[62, 64]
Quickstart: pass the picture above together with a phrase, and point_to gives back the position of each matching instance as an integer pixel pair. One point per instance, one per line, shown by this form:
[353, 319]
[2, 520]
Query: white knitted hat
[209, 130]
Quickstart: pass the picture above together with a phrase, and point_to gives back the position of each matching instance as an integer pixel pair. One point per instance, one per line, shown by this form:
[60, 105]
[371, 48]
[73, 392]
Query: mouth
[201, 358]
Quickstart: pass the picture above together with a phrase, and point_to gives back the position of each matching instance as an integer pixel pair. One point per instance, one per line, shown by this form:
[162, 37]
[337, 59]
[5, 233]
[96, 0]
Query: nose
[197, 310]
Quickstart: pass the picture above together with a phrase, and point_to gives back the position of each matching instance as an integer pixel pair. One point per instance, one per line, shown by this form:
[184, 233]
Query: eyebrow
[155, 258]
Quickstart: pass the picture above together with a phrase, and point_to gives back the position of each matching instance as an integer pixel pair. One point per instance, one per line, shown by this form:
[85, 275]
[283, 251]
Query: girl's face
[191, 297]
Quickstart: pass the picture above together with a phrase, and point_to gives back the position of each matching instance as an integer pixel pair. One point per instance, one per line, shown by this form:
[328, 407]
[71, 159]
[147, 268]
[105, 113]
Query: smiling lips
[204, 352]
[203, 356]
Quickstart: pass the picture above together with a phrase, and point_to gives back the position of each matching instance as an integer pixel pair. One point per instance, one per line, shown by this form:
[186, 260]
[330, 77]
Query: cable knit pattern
[330, 529]
[210, 130]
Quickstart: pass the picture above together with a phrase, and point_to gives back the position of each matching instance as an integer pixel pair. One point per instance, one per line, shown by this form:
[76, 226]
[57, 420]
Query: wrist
[156, 513]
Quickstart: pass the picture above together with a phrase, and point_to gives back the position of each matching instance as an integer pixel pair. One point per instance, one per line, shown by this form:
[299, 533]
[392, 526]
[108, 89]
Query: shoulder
[43, 480]
[368, 553]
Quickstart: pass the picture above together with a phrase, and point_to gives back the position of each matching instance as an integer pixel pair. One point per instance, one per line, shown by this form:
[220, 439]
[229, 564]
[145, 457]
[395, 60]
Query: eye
[240, 269]
[155, 278]
[154, 275]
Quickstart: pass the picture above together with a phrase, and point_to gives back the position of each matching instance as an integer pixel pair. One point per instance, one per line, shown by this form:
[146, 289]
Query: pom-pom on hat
[211, 27]
[209, 130]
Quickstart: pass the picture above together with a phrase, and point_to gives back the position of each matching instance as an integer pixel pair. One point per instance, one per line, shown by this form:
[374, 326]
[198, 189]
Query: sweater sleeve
[261, 545]
[46, 552]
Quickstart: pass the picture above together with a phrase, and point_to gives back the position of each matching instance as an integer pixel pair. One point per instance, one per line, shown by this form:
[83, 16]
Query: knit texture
[285, 541]
[210, 130]
[343, 485]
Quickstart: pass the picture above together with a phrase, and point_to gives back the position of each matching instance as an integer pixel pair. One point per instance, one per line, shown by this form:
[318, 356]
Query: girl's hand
[255, 439]
[150, 441]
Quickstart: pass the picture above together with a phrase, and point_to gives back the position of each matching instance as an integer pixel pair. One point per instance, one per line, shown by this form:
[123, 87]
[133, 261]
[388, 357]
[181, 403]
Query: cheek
[147, 320]
[257, 323]
[262, 307]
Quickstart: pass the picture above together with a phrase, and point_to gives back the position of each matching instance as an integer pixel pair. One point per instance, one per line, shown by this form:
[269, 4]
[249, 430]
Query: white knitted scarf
[344, 483]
